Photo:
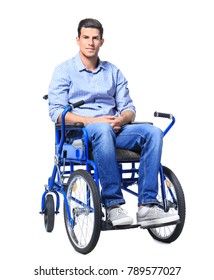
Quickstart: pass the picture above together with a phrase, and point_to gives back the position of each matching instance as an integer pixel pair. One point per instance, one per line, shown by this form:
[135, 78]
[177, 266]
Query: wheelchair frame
[69, 156]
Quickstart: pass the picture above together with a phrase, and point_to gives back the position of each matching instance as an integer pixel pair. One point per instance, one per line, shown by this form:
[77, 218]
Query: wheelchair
[75, 178]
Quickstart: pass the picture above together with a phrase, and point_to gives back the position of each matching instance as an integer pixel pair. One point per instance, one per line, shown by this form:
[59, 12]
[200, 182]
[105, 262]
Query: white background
[165, 50]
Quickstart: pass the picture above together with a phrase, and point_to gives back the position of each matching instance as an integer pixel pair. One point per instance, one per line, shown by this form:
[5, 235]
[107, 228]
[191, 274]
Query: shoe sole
[159, 222]
[122, 222]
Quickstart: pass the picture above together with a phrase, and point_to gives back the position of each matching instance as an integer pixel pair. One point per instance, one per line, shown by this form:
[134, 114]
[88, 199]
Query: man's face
[89, 42]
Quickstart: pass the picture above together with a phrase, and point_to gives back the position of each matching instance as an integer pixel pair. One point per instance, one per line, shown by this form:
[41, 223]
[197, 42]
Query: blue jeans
[143, 138]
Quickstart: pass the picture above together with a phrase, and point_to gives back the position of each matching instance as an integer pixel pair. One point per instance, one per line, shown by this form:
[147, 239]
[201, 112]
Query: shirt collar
[81, 66]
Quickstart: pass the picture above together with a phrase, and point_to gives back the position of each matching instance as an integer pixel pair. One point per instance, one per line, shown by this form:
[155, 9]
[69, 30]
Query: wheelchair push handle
[167, 116]
[163, 115]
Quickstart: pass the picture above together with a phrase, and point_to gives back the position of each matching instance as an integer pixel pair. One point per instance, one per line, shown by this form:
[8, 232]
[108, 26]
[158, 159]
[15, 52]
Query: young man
[107, 113]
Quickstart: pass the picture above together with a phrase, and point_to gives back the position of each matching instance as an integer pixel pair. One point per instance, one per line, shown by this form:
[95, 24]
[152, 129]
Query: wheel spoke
[176, 204]
[84, 204]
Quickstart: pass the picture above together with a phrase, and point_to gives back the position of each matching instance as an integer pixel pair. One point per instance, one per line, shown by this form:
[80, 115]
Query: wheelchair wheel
[84, 203]
[170, 233]
[49, 213]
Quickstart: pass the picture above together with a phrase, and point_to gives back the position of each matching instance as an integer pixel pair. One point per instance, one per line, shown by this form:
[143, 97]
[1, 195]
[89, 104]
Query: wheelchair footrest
[107, 225]
[160, 225]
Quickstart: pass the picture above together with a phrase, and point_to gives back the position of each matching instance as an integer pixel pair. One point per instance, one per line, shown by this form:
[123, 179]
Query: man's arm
[73, 118]
[124, 102]
[126, 117]
[116, 122]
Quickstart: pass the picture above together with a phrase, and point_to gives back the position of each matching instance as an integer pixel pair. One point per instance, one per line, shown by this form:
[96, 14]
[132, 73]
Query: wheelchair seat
[123, 156]
[127, 156]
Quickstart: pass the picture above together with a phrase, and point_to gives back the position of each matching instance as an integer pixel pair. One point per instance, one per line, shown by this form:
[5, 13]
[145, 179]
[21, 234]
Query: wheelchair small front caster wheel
[49, 213]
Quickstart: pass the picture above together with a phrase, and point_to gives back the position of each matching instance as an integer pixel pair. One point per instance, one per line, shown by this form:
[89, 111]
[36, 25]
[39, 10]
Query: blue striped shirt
[104, 90]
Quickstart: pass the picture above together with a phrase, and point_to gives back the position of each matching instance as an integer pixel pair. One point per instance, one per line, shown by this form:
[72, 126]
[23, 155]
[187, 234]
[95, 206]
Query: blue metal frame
[55, 182]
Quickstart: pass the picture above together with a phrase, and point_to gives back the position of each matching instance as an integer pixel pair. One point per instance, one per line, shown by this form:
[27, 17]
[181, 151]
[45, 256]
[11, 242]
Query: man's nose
[90, 41]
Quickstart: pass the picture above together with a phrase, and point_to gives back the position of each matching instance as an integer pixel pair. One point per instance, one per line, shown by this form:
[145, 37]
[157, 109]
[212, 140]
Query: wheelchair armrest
[139, 122]
[74, 125]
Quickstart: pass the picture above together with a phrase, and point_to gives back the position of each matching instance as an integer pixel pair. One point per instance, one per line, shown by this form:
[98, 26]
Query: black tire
[49, 213]
[170, 233]
[85, 208]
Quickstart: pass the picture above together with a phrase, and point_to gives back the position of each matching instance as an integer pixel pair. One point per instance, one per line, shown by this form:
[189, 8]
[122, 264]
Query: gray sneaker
[155, 216]
[118, 216]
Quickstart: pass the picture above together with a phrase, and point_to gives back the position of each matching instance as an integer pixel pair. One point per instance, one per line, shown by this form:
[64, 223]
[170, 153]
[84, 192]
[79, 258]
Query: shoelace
[156, 208]
[120, 211]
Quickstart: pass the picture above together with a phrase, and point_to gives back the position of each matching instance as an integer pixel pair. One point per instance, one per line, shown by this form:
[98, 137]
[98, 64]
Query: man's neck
[89, 62]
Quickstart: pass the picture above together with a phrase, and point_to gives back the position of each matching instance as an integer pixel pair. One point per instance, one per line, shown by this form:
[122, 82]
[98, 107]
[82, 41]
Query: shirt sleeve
[58, 92]
[122, 97]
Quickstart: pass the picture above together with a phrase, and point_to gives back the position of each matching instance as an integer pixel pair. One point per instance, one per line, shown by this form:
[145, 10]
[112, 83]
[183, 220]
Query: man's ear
[102, 41]
[77, 40]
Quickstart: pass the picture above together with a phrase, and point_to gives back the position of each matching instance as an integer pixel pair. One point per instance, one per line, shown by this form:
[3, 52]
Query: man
[107, 114]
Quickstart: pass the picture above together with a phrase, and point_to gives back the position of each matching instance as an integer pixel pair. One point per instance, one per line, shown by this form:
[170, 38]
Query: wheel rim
[163, 232]
[166, 232]
[79, 196]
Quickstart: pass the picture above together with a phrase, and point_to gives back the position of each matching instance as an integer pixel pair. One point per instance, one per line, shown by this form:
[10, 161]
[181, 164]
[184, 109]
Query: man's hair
[90, 23]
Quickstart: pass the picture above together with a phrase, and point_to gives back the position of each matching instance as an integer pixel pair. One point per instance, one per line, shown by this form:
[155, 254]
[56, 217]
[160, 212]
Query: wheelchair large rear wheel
[85, 208]
[170, 233]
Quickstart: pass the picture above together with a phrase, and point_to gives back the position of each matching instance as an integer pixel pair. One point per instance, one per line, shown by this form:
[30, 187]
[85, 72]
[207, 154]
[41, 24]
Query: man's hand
[116, 121]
